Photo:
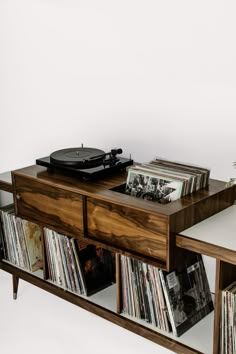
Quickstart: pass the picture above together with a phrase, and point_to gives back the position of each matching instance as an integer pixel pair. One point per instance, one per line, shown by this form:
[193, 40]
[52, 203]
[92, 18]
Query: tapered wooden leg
[15, 281]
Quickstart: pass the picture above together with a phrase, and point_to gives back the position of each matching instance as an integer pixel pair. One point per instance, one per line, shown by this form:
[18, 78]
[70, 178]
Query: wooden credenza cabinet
[99, 212]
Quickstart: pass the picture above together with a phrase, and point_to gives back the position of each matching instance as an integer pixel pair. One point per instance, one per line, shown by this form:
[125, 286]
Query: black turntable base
[85, 162]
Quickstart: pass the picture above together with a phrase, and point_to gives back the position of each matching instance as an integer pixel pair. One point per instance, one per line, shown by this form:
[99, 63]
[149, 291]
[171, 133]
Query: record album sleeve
[187, 293]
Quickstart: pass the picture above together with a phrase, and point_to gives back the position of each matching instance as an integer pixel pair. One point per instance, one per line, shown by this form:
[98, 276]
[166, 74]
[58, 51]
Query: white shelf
[218, 230]
[38, 273]
[105, 298]
[199, 337]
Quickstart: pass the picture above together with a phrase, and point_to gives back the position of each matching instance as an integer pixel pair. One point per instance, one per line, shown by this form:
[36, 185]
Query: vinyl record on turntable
[81, 157]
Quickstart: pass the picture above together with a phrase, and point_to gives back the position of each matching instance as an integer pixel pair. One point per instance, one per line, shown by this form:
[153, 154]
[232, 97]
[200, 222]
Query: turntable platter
[81, 157]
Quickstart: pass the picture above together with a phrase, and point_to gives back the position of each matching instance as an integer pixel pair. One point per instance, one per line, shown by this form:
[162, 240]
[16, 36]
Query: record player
[85, 162]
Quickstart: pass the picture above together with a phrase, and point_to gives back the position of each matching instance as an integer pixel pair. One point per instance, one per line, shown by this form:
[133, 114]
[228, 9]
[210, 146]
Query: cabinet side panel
[48, 205]
[128, 229]
[203, 209]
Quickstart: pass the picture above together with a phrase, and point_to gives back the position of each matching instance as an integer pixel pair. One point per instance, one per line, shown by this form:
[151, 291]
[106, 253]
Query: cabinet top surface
[103, 189]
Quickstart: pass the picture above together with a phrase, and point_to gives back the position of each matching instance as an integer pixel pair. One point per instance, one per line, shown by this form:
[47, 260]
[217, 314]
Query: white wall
[153, 77]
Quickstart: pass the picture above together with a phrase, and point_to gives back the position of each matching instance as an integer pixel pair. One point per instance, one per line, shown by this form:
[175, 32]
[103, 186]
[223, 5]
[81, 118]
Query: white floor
[38, 322]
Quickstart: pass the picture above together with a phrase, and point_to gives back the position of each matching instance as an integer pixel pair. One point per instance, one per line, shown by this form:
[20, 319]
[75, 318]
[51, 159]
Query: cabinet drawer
[129, 229]
[49, 205]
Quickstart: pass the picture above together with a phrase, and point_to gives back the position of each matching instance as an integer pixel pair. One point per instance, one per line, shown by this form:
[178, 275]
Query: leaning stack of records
[78, 266]
[228, 320]
[142, 293]
[164, 181]
[63, 263]
[187, 293]
[171, 301]
[20, 240]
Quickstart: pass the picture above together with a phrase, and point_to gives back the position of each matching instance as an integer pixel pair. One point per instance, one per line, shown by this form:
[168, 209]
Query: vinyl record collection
[78, 266]
[228, 320]
[20, 240]
[172, 301]
[74, 265]
[142, 293]
[63, 264]
[164, 181]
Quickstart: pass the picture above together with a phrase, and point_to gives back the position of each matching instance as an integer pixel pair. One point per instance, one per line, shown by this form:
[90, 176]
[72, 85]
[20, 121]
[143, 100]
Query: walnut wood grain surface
[102, 189]
[206, 248]
[49, 204]
[95, 209]
[128, 228]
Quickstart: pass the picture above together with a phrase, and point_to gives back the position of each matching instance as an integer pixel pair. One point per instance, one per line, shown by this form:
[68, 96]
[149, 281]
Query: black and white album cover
[150, 186]
[187, 293]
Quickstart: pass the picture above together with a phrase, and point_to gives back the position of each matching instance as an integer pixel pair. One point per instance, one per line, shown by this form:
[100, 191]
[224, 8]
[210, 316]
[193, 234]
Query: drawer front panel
[129, 229]
[49, 205]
